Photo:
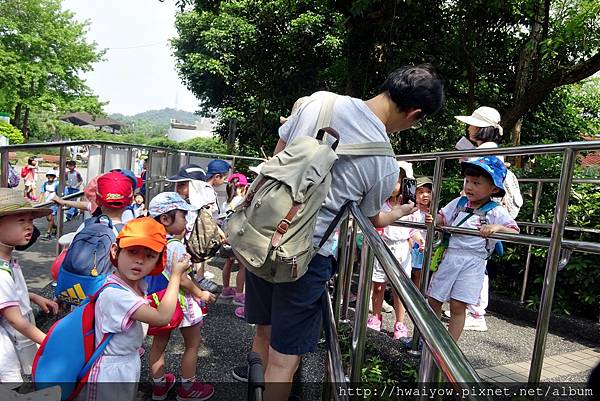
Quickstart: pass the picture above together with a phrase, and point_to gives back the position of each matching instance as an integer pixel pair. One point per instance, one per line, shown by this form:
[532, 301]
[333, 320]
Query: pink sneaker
[196, 392]
[374, 322]
[161, 391]
[239, 299]
[240, 312]
[400, 330]
[228, 292]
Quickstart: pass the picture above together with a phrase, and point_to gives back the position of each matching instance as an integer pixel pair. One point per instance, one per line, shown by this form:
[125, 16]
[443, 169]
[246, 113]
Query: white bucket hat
[407, 167]
[51, 171]
[482, 117]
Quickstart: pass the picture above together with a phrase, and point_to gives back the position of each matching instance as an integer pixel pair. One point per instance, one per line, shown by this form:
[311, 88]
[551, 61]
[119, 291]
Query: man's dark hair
[415, 87]
[487, 134]
[71, 163]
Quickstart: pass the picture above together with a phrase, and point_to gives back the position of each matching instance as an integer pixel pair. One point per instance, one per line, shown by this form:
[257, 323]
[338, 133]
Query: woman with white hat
[483, 129]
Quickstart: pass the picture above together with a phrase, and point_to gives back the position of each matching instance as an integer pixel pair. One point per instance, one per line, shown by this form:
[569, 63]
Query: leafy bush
[577, 289]
[14, 135]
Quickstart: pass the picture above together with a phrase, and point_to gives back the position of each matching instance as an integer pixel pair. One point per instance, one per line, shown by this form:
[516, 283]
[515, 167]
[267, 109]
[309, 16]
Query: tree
[42, 52]
[251, 60]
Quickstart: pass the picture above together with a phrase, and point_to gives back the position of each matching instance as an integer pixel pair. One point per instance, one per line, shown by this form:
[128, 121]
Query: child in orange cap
[139, 250]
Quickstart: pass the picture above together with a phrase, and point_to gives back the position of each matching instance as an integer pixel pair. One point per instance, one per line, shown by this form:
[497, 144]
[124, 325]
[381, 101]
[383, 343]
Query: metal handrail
[446, 353]
[26, 146]
[523, 239]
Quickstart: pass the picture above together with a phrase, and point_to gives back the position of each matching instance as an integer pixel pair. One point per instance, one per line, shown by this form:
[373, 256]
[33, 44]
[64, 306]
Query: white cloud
[138, 72]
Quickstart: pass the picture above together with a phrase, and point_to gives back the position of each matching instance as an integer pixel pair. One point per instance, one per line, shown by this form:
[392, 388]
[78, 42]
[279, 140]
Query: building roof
[83, 118]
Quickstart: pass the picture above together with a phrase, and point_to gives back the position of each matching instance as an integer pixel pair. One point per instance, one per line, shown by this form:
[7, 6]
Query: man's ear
[414, 113]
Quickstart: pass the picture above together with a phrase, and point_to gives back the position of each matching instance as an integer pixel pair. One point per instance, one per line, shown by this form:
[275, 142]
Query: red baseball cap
[114, 190]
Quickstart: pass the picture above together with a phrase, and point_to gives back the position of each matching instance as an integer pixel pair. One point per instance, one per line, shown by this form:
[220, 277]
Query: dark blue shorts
[293, 310]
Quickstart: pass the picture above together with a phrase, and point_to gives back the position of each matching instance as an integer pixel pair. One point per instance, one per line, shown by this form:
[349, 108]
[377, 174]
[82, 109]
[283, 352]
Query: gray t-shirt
[368, 180]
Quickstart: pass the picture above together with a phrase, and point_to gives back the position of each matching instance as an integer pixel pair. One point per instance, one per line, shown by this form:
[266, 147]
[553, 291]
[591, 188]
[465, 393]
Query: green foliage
[14, 135]
[43, 52]
[577, 289]
[249, 61]
[207, 145]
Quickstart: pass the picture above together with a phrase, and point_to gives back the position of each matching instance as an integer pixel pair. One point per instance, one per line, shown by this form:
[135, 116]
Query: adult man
[288, 315]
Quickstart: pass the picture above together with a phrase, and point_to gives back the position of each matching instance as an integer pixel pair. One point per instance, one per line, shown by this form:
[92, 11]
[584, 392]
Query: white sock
[187, 383]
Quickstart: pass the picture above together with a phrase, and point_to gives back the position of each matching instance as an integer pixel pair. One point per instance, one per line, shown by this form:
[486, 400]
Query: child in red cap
[139, 250]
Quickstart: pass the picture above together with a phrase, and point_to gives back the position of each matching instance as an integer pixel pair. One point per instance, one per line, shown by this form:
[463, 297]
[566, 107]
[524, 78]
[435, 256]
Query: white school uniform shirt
[394, 234]
[192, 310]
[16, 350]
[114, 310]
[475, 244]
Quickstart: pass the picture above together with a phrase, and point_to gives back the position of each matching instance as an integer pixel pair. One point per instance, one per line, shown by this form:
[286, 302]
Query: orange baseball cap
[149, 233]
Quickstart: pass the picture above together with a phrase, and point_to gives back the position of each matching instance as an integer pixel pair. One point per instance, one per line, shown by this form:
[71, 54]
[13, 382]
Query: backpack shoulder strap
[488, 207]
[366, 149]
[326, 111]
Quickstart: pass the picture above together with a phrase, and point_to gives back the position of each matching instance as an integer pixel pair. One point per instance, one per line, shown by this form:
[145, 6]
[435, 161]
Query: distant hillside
[153, 122]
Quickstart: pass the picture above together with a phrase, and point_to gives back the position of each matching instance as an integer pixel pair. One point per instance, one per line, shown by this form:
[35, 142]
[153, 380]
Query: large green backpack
[271, 232]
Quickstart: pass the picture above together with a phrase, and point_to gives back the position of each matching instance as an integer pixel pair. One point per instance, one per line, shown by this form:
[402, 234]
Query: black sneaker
[210, 286]
[240, 373]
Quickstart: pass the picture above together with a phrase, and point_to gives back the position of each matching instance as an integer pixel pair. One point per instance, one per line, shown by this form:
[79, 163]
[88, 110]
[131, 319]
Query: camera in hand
[409, 190]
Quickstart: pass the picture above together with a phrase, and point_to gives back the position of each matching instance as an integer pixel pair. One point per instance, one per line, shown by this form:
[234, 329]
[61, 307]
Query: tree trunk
[526, 68]
[16, 120]
[516, 137]
[25, 128]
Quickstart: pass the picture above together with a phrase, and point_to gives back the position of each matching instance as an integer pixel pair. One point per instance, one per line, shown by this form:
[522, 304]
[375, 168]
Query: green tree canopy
[249, 60]
[43, 51]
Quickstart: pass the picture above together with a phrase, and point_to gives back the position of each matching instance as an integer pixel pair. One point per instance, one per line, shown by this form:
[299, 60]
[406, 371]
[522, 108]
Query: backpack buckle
[283, 226]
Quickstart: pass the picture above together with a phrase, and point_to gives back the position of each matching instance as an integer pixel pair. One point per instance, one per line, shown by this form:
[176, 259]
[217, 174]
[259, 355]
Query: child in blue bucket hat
[460, 273]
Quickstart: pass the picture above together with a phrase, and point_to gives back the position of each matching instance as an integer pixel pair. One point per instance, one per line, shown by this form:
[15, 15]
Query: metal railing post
[148, 174]
[128, 164]
[438, 172]
[4, 154]
[362, 312]
[102, 158]
[334, 366]
[536, 208]
[347, 283]
[556, 238]
[342, 269]
[61, 190]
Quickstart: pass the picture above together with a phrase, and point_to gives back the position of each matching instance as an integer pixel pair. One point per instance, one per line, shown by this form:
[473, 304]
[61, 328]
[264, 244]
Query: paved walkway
[501, 354]
[554, 366]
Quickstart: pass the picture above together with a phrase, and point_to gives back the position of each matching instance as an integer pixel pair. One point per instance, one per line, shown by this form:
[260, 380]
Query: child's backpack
[271, 232]
[24, 171]
[204, 240]
[13, 177]
[69, 350]
[87, 261]
[512, 200]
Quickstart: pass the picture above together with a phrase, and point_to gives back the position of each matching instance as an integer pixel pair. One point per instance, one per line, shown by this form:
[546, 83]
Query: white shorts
[401, 250]
[459, 277]
[113, 376]
[14, 362]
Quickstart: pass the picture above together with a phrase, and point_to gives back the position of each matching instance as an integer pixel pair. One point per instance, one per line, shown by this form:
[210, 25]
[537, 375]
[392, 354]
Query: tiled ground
[554, 366]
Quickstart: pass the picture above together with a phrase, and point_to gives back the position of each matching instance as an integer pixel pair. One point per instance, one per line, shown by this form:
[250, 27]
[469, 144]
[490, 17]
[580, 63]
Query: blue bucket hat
[217, 167]
[493, 167]
[164, 202]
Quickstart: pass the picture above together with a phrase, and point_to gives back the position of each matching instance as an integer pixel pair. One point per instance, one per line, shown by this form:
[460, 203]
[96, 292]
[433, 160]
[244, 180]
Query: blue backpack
[87, 262]
[13, 177]
[69, 350]
[482, 213]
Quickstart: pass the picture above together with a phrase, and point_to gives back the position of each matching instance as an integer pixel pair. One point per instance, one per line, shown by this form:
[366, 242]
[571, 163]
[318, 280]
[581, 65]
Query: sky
[138, 72]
